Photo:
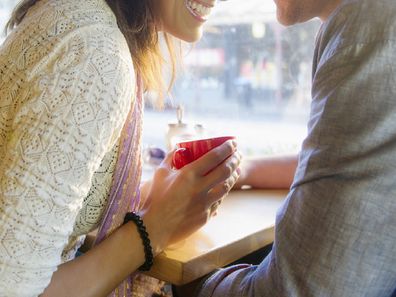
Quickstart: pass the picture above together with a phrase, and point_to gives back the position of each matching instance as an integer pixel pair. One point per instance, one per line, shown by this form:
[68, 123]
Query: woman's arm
[179, 198]
[270, 172]
[97, 272]
[71, 116]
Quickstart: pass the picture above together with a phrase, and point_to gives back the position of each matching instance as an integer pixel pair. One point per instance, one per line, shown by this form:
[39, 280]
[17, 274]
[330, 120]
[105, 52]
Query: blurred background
[248, 76]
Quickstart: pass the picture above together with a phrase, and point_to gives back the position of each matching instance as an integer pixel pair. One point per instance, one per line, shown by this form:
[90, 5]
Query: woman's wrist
[148, 251]
[156, 234]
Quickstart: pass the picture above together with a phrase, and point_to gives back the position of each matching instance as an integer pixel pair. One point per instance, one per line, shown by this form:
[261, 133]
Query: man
[336, 233]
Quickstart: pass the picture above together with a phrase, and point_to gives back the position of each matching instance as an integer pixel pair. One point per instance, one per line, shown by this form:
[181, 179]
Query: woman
[71, 80]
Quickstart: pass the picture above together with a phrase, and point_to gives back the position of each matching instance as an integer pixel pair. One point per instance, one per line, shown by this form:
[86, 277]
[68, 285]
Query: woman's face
[183, 18]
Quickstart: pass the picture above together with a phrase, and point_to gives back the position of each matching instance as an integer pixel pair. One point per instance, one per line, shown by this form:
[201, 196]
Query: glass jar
[181, 131]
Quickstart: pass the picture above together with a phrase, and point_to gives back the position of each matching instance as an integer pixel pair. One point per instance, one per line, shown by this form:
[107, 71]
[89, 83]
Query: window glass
[6, 7]
[248, 76]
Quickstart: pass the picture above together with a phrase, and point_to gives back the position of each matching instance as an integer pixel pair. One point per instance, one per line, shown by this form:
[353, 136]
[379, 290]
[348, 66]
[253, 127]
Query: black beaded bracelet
[148, 251]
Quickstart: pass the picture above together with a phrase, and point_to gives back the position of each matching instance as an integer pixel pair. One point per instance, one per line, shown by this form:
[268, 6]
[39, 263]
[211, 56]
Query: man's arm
[268, 172]
[335, 234]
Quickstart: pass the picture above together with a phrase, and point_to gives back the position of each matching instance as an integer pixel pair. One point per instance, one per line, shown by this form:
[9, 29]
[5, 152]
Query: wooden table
[245, 223]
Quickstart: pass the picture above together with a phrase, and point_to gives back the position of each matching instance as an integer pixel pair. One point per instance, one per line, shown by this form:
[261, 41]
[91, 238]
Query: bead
[148, 251]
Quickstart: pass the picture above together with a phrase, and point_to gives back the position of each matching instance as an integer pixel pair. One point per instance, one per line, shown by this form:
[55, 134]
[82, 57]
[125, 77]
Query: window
[6, 7]
[248, 77]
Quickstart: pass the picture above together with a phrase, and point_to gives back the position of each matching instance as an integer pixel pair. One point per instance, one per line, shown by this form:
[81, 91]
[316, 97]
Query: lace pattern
[66, 87]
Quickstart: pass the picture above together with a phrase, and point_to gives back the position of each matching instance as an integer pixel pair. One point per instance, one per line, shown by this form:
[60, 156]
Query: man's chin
[286, 20]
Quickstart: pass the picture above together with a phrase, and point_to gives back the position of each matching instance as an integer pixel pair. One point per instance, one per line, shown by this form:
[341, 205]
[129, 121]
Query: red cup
[189, 151]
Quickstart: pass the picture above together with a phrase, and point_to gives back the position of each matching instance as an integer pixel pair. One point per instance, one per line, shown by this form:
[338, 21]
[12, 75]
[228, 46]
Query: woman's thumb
[168, 160]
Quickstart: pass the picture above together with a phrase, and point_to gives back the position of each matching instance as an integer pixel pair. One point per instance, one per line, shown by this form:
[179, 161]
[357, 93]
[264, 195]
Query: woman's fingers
[212, 158]
[218, 193]
[223, 171]
[214, 207]
[222, 189]
[167, 161]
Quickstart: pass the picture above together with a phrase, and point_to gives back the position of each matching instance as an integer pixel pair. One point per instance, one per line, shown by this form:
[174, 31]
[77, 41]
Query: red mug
[189, 151]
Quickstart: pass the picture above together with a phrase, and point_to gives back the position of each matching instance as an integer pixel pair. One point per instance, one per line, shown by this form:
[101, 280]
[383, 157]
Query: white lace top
[66, 85]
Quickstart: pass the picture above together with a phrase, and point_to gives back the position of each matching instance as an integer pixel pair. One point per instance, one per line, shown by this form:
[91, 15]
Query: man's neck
[329, 9]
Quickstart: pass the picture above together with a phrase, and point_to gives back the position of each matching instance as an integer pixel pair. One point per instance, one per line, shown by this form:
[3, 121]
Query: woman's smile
[200, 10]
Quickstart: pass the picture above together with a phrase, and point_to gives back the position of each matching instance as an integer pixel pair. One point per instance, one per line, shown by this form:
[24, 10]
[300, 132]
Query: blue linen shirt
[336, 233]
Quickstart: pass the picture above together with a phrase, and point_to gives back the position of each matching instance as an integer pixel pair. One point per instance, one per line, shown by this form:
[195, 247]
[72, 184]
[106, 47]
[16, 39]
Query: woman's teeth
[198, 9]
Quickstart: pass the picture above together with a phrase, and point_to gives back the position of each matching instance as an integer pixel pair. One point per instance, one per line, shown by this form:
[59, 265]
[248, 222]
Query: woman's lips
[200, 10]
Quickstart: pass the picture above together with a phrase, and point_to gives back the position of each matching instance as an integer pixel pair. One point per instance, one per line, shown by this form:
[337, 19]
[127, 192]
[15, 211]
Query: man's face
[290, 12]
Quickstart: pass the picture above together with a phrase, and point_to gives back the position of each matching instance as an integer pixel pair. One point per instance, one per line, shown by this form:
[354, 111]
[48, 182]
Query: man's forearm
[272, 172]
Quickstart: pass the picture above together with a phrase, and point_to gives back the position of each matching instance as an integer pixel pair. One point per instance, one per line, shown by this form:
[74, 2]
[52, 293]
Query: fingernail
[238, 171]
[234, 144]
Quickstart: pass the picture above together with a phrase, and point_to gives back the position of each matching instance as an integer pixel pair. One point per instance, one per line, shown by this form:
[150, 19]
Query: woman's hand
[181, 201]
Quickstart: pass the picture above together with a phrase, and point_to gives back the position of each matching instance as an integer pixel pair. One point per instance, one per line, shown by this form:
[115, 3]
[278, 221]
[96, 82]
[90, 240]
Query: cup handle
[181, 157]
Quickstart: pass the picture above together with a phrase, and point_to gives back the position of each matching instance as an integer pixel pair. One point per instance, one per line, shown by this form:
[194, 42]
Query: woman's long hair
[136, 20]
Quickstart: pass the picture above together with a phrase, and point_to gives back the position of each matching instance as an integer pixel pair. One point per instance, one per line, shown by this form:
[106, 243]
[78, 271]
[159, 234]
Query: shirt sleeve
[75, 106]
[336, 233]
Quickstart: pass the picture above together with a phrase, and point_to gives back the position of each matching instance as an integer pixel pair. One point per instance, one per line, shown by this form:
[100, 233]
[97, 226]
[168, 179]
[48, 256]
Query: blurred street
[261, 130]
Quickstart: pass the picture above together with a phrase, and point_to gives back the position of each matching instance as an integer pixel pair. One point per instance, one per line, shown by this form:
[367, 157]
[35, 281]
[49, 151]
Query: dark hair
[136, 20]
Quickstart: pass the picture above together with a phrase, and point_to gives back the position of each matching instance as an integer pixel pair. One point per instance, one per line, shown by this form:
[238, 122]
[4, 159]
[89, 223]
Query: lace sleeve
[72, 113]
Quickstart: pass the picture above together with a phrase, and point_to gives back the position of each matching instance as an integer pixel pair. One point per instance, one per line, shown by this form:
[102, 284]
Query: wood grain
[245, 223]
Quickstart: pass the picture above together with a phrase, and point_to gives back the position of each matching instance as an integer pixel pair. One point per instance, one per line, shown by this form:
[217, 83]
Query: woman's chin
[193, 39]
[190, 36]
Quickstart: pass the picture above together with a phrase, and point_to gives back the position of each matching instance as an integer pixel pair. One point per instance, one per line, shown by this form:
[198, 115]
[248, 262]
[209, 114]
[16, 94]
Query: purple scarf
[125, 194]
